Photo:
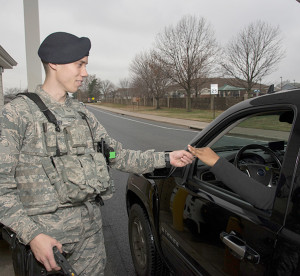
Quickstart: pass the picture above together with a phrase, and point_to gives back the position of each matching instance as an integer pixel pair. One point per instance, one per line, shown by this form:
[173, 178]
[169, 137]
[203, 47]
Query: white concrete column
[1, 90]
[32, 41]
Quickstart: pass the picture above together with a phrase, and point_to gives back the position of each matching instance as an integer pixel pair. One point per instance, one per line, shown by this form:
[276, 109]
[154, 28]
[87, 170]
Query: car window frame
[234, 119]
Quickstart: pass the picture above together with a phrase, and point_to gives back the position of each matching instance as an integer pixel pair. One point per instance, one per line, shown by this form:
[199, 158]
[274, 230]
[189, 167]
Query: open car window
[257, 129]
[268, 134]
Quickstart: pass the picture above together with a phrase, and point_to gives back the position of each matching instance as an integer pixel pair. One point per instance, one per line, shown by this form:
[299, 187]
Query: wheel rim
[139, 243]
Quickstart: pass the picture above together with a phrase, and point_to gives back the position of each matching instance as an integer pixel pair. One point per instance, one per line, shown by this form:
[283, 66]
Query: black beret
[63, 48]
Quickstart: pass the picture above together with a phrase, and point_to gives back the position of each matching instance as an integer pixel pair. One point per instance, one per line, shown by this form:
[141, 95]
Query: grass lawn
[263, 122]
[195, 114]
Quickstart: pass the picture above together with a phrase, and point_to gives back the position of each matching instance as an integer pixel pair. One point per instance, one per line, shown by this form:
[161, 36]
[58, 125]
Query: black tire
[144, 254]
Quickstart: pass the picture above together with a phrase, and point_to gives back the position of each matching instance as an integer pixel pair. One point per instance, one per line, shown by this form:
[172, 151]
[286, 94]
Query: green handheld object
[112, 155]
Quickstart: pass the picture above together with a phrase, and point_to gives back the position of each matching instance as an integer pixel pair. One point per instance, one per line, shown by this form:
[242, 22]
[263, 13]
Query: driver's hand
[206, 155]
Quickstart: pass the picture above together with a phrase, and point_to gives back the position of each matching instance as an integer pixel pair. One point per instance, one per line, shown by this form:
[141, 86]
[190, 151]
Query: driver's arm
[250, 190]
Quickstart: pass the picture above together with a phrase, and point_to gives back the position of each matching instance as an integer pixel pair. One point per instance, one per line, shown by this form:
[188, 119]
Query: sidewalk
[187, 123]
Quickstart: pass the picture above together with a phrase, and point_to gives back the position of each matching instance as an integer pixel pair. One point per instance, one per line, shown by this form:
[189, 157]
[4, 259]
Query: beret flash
[63, 48]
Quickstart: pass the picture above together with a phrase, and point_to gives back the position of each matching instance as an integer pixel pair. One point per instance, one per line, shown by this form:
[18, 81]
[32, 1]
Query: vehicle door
[208, 229]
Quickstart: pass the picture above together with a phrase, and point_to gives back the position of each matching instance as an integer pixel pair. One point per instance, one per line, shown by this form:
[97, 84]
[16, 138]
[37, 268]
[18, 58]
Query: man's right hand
[42, 248]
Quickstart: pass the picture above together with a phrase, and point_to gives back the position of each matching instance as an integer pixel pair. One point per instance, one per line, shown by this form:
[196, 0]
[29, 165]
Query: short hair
[46, 67]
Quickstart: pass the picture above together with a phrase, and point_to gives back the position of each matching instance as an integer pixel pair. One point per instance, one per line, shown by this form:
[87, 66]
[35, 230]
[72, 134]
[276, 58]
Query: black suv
[185, 221]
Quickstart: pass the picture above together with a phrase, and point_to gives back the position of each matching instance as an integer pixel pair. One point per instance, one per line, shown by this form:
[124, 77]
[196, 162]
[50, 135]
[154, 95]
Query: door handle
[239, 248]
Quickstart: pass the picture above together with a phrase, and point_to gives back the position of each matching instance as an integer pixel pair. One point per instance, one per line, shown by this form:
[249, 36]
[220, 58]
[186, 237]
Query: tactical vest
[59, 165]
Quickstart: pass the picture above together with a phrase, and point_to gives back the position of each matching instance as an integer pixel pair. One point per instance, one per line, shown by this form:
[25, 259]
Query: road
[135, 134]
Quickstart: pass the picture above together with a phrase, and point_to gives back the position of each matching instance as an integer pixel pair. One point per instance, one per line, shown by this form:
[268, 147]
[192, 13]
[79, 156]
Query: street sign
[214, 89]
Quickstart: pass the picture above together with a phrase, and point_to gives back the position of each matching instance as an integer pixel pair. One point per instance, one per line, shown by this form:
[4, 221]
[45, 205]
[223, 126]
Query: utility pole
[260, 85]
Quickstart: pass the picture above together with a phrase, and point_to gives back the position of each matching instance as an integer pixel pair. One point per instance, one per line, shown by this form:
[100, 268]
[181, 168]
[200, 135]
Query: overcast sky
[120, 29]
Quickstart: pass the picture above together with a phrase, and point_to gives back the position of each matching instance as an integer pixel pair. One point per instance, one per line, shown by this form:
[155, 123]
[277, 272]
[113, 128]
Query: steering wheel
[260, 172]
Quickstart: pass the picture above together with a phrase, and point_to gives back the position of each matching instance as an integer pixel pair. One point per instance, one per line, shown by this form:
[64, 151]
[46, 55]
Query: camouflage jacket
[43, 170]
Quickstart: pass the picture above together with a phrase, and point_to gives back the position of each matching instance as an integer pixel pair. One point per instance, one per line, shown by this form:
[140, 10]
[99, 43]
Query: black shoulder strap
[38, 101]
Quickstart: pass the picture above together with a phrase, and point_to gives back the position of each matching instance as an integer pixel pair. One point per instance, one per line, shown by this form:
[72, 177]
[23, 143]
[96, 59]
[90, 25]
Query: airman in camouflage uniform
[51, 175]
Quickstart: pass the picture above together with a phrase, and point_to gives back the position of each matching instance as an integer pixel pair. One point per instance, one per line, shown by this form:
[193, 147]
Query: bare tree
[140, 71]
[253, 54]
[150, 71]
[139, 87]
[106, 88]
[124, 85]
[160, 78]
[198, 84]
[187, 52]
[113, 91]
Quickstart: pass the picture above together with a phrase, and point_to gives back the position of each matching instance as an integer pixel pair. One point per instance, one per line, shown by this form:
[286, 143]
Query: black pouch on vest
[24, 261]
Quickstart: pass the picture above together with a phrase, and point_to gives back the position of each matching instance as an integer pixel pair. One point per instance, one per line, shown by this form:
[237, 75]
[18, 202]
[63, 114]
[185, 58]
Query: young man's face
[71, 75]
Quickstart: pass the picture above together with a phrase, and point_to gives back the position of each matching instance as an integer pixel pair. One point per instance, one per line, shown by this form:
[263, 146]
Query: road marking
[136, 121]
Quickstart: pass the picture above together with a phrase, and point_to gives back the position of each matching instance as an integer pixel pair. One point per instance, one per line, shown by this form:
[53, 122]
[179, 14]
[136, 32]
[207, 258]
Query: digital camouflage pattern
[45, 174]
[88, 256]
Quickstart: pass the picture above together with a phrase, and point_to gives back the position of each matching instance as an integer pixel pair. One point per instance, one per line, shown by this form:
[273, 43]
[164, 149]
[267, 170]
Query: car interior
[250, 143]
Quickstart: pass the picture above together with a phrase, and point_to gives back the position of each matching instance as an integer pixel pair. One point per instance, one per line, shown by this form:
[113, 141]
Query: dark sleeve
[246, 187]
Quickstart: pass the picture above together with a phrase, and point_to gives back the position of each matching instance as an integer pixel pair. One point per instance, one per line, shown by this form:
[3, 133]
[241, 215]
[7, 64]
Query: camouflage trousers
[88, 257]
[79, 229]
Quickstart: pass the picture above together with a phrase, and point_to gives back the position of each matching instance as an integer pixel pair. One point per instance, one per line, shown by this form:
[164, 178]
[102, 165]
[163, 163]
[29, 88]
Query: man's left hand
[180, 158]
